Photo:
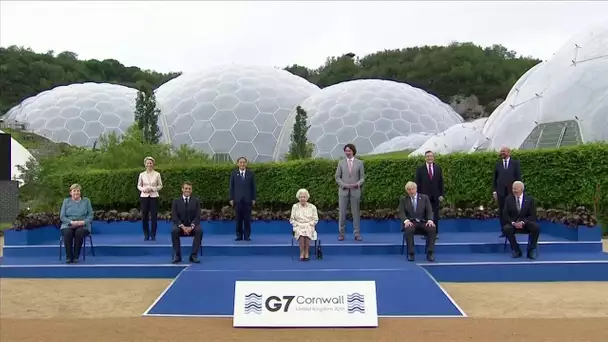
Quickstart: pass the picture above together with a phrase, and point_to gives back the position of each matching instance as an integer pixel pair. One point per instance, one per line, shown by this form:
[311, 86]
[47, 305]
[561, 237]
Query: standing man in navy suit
[242, 198]
[506, 172]
[429, 178]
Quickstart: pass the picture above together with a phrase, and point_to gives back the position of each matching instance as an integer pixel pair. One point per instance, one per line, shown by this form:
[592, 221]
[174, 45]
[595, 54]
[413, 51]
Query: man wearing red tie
[429, 178]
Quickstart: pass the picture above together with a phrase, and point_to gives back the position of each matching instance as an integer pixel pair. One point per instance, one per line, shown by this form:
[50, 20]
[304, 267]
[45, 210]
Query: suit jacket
[432, 187]
[527, 213]
[356, 176]
[179, 214]
[423, 212]
[504, 178]
[242, 189]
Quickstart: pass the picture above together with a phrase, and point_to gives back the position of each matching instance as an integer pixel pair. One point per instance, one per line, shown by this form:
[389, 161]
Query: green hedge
[559, 178]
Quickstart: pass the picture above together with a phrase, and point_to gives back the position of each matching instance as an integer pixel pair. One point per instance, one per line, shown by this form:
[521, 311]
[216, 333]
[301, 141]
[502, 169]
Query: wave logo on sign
[253, 303]
[356, 303]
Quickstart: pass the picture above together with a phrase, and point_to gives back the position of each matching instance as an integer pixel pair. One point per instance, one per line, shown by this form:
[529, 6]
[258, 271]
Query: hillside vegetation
[454, 73]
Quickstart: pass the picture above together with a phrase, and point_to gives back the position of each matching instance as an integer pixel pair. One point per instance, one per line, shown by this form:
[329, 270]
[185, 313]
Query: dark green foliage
[25, 73]
[300, 148]
[147, 114]
[559, 179]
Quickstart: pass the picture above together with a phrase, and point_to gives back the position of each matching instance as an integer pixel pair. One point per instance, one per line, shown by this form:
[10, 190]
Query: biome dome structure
[19, 156]
[231, 111]
[367, 113]
[458, 138]
[78, 114]
[563, 101]
[402, 143]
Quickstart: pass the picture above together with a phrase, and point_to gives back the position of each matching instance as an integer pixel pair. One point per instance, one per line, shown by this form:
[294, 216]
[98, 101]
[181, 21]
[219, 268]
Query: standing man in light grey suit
[350, 176]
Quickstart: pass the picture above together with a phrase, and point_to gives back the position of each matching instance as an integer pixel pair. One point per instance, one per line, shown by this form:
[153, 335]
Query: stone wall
[9, 200]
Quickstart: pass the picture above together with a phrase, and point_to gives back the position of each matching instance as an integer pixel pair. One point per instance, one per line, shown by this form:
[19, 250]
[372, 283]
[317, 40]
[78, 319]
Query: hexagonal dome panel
[458, 138]
[241, 101]
[378, 110]
[564, 95]
[78, 114]
[402, 143]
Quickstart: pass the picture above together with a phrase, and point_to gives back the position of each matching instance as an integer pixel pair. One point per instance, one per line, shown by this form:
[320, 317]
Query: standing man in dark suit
[242, 198]
[429, 178]
[416, 213]
[520, 214]
[506, 172]
[186, 216]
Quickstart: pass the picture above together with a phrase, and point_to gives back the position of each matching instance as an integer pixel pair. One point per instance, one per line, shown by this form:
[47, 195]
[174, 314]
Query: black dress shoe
[176, 260]
[194, 259]
[247, 239]
[530, 255]
[146, 238]
[517, 254]
[69, 261]
[411, 257]
[430, 257]
[74, 261]
[238, 239]
[153, 238]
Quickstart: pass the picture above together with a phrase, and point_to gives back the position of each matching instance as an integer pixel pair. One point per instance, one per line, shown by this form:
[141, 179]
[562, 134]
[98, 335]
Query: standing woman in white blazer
[149, 184]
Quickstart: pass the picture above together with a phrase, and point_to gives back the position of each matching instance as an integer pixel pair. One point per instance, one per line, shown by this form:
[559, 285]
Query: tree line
[452, 73]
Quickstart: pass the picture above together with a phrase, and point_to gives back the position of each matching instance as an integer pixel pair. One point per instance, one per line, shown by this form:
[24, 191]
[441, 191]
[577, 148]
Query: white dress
[304, 219]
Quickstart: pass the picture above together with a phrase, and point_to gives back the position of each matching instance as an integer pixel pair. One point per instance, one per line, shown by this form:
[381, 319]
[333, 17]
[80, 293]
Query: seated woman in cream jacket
[304, 219]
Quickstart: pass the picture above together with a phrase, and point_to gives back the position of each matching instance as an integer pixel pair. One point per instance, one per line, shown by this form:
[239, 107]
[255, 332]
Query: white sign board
[305, 304]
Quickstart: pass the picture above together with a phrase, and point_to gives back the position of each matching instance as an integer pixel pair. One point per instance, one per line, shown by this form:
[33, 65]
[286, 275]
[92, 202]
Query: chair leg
[403, 244]
[316, 255]
[60, 247]
[84, 248]
[504, 247]
[91, 245]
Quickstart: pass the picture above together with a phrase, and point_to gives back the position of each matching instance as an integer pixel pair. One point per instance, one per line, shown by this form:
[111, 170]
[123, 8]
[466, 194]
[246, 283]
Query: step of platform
[122, 245]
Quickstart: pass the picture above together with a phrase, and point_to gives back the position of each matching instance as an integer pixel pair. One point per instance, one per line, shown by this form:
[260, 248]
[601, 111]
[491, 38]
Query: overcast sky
[184, 36]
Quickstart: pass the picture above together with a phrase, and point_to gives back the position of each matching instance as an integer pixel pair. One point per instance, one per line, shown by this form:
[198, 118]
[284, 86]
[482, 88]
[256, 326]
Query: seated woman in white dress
[304, 220]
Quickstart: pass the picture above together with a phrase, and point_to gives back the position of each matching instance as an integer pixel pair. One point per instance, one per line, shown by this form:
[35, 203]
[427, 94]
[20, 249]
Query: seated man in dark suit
[186, 216]
[520, 214]
[416, 213]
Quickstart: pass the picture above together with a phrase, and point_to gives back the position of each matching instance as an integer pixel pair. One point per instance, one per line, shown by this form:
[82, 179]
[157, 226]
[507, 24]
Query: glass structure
[552, 135]
[403, 143]
[567, 91]
[232, 110]
[19, 156]
[458, 138]
[78, 114]
[367, 113]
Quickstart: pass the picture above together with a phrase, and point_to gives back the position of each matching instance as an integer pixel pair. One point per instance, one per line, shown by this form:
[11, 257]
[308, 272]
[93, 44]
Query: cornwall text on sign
[305, 304]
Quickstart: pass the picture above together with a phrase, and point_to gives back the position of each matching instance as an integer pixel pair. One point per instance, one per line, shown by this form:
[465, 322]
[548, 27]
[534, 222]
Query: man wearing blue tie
[416, 214]
[242, 198]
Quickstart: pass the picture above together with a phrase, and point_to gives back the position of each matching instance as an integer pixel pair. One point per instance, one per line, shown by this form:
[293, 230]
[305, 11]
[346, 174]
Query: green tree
[147, 114]
[300, 148]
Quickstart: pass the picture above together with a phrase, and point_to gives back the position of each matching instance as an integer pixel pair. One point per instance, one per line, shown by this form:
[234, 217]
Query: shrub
[563, 179]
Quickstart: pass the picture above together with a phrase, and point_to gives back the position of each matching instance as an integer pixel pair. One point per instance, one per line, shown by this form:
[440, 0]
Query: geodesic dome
[403, 143]
[78, 114]
[458, 138]
[232, 110]
[367, 113]
[560, 102]
[19, 156]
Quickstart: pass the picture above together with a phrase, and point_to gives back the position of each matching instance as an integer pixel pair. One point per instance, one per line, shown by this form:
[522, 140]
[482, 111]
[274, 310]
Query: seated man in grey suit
[416, 213]
[186, 216]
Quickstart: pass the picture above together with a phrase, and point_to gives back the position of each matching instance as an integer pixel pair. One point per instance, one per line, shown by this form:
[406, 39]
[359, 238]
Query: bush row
[579, 217]
[562, 178]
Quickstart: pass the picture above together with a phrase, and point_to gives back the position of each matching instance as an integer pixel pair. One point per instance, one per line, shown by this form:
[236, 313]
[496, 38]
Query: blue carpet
[409, 291]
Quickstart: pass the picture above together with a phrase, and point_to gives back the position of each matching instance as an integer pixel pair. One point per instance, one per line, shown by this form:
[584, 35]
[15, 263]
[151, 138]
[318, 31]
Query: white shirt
[429, 169]
[185, 198]
[242, 173]
[506, 161]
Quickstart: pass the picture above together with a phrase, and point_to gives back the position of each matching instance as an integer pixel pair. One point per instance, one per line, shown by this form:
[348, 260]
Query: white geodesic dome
[19, 157]
[367, 113]
[402, 143]
[563, 101]
[232, 110]
[458, 138]
[78, 114]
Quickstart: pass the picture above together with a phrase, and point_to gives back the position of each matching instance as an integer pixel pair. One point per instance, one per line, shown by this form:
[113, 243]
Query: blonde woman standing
[149, 184]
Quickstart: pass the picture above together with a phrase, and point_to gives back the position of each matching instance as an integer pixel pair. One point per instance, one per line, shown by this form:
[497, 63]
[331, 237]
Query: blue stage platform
[467, 251]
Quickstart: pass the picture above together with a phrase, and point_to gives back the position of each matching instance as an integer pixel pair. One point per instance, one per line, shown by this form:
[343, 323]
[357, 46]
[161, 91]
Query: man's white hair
[302, 192]
[519, 183]
[411, 185]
